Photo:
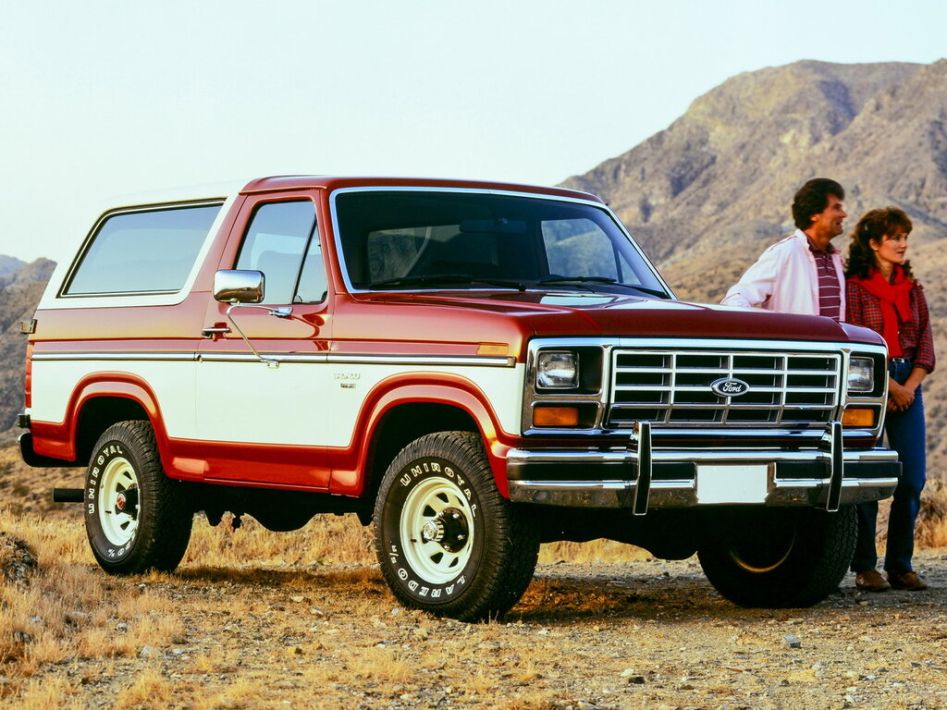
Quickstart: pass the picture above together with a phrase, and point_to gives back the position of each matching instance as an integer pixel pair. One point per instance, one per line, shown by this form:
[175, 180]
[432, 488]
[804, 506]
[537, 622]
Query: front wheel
[136, 517]
[778, 558]
[446, 540]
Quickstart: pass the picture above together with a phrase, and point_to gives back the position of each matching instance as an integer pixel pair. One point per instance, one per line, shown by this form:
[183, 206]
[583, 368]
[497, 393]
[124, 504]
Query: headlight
[557, 370]
[861, 374]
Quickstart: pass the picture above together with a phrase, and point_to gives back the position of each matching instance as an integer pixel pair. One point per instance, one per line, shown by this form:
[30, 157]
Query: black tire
[136, 517]
[779, 558]
[471, 559]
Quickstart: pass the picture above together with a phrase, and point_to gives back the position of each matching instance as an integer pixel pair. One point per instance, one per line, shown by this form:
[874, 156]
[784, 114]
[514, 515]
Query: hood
[569, 313]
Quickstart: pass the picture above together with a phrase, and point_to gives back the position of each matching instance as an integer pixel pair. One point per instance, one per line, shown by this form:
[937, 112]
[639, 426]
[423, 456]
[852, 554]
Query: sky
[103, 99]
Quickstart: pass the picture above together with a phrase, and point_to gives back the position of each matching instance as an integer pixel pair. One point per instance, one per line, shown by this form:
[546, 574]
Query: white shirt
[785, 279]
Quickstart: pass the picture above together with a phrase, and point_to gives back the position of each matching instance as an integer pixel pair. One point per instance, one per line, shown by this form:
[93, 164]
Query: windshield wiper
[578, 279]
[602, 280]
[446, 279]
[650, 291]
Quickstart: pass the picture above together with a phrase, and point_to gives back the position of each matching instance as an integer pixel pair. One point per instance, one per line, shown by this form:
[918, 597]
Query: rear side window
[151, 251]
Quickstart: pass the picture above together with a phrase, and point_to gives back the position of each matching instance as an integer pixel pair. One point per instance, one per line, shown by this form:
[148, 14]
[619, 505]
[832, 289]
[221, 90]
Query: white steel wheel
[118, 501]
[447, 541]
[437, 527]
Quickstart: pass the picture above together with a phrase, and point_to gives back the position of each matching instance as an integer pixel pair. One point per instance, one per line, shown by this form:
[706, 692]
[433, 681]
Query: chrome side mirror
[239, 286]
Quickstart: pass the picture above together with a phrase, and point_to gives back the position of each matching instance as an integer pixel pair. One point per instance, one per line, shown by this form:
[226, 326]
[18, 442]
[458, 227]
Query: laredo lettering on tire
[780, 558]
[446, 540]
[136, 517]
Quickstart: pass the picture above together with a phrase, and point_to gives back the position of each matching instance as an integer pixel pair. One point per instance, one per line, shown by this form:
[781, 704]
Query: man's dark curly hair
[874, 226]
[812, 198]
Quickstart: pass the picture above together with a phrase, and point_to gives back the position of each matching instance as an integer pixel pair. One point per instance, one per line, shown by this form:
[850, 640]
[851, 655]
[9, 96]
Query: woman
[883, 295]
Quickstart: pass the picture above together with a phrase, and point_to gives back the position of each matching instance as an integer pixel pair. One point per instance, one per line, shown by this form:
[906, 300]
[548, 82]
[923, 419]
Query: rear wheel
[780, 557]
[446, 540]
[136, 517]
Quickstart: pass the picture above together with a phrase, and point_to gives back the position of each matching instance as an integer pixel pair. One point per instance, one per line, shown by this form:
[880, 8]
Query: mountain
[9, 265]
[20, 291]
[705, 196]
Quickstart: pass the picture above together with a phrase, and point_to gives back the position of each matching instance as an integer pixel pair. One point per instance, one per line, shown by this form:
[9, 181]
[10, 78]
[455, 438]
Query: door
[260, 420]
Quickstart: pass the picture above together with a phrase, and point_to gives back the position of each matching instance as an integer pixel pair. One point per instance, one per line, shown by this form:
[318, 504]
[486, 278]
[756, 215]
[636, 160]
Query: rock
[147, 652]
[121, 627]
[792, 641]
[76, 618]
[297, 598]
[17, 561]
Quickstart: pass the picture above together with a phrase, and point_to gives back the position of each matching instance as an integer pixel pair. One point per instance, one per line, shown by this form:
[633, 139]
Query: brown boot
[907, 580]
[871, 581]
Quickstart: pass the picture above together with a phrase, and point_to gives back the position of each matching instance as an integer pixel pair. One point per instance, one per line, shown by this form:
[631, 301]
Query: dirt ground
[640, 633]
[254, 619]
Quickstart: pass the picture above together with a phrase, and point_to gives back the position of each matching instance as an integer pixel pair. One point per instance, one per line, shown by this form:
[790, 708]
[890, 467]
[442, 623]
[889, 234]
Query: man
[802, 273]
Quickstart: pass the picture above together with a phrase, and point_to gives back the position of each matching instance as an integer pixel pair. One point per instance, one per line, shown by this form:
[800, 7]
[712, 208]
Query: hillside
[20, 291]
[708, 194]
[705, 195]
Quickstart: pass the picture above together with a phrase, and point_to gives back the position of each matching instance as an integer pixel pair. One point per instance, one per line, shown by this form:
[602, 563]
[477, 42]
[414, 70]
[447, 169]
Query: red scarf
[895, 297]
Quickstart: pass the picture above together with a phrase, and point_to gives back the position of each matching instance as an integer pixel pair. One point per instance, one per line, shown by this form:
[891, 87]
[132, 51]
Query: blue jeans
[907, 435]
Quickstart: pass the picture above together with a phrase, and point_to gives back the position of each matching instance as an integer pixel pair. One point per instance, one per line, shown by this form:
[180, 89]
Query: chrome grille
[673, 387]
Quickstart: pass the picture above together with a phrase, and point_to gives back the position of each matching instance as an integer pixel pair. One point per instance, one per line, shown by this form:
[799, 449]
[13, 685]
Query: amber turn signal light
[556, 416]
[858, 417]
[493, 349]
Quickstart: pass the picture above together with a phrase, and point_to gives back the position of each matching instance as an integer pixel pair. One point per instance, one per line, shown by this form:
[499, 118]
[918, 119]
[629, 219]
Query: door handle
[215, 331]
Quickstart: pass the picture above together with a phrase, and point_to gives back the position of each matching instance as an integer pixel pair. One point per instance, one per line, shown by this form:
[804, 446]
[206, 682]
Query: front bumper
[640, 478]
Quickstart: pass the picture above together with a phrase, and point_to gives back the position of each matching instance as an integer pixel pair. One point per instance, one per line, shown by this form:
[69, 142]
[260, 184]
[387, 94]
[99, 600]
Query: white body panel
[308, 403]
[318, 404]
[172, 382]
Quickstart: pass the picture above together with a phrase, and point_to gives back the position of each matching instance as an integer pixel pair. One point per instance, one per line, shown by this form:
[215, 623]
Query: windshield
[438, 239]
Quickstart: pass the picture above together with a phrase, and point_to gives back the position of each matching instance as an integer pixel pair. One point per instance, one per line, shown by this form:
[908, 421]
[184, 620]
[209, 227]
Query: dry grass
[932, 520]
[68, 609]
[45, 693]
[71, 613]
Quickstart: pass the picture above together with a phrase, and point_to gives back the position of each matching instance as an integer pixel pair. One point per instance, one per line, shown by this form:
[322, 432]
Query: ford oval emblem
[729, 387]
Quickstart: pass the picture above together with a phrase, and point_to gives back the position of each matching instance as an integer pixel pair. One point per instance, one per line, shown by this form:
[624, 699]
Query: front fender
[349, 477]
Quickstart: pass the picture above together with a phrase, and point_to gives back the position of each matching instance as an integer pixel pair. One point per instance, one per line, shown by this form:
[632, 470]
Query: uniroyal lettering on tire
[443, 532]
[136, 518]
[112, 501]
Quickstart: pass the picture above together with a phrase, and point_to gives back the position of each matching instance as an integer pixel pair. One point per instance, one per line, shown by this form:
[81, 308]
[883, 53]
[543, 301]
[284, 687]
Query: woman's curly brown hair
[874, 225]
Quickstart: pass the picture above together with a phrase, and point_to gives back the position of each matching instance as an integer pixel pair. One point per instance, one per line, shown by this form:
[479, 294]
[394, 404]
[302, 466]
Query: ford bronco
[472, 368]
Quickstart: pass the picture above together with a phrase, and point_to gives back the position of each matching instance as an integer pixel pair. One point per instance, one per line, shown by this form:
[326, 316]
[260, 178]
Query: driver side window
[280, 235]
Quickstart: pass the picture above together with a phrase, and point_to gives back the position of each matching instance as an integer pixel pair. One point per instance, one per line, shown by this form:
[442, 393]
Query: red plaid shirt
[917, 341]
